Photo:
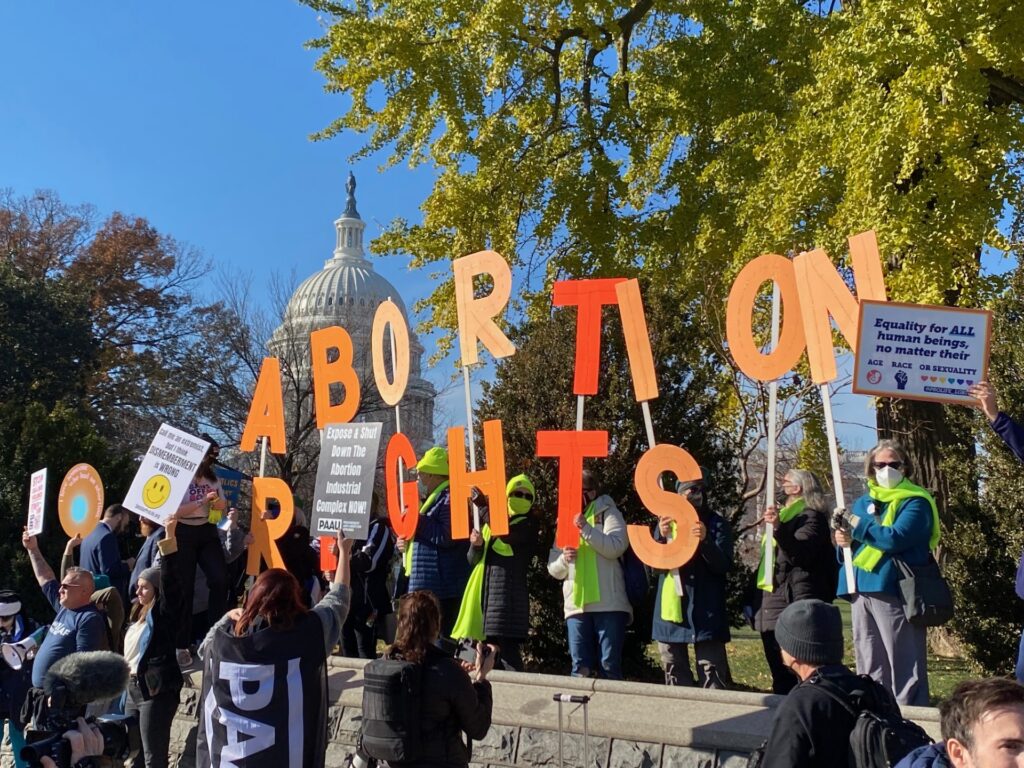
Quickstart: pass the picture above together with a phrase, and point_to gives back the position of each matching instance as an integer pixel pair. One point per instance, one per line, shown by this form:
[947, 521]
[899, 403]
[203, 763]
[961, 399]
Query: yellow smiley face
[156, 491]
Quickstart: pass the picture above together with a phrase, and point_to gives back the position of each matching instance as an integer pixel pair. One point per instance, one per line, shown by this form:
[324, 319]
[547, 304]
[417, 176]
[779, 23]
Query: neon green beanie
[434, 462]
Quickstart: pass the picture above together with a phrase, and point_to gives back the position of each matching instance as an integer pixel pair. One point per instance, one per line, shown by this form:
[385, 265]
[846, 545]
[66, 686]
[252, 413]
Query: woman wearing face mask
[595, 604]
[698, 617]
[804, 568]
[496, 603]
[895, 519]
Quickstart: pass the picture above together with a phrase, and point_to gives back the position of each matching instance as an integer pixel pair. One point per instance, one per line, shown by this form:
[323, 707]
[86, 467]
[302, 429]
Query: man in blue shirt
[78, 626]
[100, 553]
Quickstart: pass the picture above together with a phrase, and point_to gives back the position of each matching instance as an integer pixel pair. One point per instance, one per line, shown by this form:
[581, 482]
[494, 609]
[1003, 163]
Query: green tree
[813, 453]
[47, 355]
[138, 288]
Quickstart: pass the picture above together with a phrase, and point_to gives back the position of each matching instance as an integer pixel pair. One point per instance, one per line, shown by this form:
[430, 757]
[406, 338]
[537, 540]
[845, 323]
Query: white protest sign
[344, 479]
[164, 474]
[920, 351]
[36, 502]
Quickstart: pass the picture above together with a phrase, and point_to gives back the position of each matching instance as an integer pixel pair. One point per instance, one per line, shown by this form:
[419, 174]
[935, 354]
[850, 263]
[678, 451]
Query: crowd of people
[175, 599]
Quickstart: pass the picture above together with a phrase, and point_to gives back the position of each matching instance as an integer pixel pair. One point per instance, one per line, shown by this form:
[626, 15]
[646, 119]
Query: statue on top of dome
[350, 200]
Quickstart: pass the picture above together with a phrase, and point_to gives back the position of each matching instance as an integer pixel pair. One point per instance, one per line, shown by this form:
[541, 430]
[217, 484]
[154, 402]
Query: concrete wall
[632, 725]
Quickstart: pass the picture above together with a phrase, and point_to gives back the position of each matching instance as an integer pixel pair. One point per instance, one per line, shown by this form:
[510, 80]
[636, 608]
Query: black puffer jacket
[451, 706]
[506, 599]
[805, 566]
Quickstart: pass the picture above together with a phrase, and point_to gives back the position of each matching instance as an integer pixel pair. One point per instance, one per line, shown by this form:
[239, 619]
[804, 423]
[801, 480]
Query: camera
[121, 740]
[467, 651]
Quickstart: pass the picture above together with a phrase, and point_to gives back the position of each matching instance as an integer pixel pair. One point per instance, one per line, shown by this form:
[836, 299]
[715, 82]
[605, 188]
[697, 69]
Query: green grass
[750, 671]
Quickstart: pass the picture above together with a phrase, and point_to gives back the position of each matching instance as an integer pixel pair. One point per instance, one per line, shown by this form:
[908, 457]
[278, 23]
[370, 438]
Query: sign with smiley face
[164, 473]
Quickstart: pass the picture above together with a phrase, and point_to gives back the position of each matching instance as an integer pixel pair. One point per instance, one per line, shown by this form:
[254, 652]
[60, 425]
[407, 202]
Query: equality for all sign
[165, 473]
[920, 352]
[344, 479]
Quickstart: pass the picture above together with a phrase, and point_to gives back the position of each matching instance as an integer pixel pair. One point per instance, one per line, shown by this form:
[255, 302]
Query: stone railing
[632, 725]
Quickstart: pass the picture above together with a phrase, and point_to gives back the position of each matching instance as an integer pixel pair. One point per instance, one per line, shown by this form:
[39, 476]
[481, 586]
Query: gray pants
[890, 649]
[712, 664]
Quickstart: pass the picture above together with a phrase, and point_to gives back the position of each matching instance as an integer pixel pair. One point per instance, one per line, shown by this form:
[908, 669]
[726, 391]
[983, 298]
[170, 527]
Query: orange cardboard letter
[570, 448]
[638, 340]
[325, 373]
[403, 519]
[267, 532]
[740, 315]
[663, 503]
[823, 292]
[266, 412]
[490, 481]
[476, 316]
[388, 314]
[588, 296]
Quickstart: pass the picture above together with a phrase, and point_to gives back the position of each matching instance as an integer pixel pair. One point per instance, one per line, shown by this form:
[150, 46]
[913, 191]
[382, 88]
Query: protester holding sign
[264, 698]
[805, 567]
[433, 560]
[697, 618]
[496, 604]
[896, 519]
[155, 682]
[199, 545]
[371, 604]
[1013, 435]
[596, 606]
[149, 553]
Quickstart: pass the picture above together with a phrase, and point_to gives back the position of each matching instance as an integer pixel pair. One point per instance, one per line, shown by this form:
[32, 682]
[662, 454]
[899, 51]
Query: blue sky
[197, 116]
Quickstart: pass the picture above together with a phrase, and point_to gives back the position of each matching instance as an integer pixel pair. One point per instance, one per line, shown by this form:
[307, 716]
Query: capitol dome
[346, 293]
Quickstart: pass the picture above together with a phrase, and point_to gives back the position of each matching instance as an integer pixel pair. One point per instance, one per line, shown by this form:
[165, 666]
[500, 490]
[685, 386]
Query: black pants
[200, 545]
[155, 718]
[510, 653]
[449, 613]
[358, 640]
[783, 679]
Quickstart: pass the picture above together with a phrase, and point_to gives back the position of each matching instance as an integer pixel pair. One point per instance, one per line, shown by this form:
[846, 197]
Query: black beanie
[812, 632]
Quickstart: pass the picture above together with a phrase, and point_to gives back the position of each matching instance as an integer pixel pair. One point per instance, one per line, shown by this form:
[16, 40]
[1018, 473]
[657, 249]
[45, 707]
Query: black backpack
[881, 736]
[392, 691]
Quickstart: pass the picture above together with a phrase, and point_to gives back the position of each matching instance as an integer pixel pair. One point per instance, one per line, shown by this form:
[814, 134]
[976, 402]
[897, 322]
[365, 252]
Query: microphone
[82, 678]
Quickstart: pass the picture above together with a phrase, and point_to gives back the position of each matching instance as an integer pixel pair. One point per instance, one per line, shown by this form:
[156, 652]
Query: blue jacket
[438, 563]
[146, 558]
[931, 756]
[704, 614]
[100, 554]
[907, 538]
[1011, 432]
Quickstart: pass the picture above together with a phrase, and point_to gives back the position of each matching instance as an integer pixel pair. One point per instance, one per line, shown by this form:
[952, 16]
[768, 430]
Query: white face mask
[888, 477]
[422, 488]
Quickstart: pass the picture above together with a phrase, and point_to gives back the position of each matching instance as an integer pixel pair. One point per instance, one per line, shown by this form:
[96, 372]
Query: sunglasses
[881, 464]
[522, 495]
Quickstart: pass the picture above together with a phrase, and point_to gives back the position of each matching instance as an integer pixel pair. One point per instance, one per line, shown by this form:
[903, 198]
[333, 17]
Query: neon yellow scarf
[786, 514]
[869, 557]
[407, 557]
[470, 622]
[586, 588]
[671, 602]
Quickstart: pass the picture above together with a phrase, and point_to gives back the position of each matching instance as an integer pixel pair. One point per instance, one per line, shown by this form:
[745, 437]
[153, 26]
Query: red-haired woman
[451, 703]
[264, 700]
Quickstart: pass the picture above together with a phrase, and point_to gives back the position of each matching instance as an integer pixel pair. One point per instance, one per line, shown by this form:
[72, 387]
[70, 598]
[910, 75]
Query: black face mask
[781, 497]
[696, 499]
